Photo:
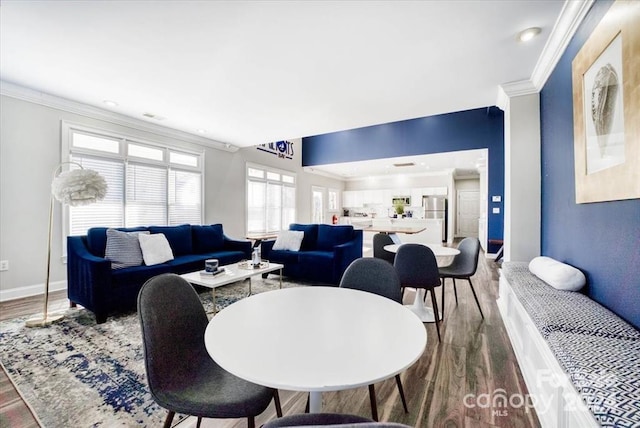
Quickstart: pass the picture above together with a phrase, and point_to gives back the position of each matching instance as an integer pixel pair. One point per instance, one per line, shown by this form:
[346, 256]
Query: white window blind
[108, 212]
[147, 184]
[146, 202]
[185, 200]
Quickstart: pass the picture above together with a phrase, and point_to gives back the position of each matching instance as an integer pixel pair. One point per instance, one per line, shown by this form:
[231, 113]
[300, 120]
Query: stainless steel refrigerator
[435, 207]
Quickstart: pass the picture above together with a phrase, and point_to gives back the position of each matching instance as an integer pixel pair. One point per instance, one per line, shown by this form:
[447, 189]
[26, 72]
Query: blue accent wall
[481, 128]
[602, 239]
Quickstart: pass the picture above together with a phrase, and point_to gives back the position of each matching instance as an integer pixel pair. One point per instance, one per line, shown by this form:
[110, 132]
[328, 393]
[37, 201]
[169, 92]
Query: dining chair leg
[436, 314]
[442, 299]
[306, 407]
[167, 422]
[276, 401]
[251, 422]
[374, 405]
[199, 422]
[455, 290]
[475, 297]
[401, 390]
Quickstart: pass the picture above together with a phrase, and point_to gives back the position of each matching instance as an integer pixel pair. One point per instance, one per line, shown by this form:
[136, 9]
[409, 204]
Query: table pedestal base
[423, 312]
[315, 402]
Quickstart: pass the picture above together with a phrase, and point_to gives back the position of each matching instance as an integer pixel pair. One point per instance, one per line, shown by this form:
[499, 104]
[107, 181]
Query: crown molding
[570, 18]
[34, 96]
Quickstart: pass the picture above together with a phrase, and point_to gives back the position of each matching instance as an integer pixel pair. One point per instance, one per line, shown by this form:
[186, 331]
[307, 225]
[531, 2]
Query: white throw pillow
[155, 248]
[557, 274]
[289, 240]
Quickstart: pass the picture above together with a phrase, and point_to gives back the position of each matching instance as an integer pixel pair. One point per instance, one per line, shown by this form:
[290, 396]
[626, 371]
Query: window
[317, 204]
[332, 203]
[149, 184]
[271, 199]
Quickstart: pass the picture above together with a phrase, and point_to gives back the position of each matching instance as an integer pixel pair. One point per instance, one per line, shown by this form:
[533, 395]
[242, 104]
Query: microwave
[404, 200]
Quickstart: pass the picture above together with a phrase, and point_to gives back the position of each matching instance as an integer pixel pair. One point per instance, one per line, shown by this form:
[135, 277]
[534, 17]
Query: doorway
[468, 213]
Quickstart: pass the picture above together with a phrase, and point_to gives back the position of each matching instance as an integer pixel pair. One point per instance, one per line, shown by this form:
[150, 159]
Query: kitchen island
[424, 231]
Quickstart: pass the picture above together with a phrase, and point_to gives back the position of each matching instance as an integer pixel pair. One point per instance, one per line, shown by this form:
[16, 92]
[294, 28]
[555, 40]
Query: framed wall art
[606, 108]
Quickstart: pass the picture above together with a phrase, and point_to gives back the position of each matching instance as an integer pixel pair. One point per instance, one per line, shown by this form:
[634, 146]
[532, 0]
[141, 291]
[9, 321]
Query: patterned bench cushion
[565, 311]
[606, 373]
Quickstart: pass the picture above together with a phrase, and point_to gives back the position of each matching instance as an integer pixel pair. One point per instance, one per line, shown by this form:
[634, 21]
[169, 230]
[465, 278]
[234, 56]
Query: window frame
[68, 129]
[267, 170]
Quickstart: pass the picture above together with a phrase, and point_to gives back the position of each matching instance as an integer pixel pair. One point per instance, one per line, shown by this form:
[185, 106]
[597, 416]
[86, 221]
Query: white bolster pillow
[559, 275]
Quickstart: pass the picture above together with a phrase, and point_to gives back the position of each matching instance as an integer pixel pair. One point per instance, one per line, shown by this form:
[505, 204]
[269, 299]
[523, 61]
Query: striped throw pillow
[123, 249]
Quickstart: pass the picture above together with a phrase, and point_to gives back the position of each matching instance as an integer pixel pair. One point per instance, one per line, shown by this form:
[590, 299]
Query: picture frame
[606, 108]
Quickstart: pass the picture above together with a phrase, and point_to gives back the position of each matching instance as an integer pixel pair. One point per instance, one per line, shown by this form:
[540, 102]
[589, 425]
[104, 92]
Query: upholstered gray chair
[417, 268]
[379, 277]
[463, 266]
[380, 240]
[326, 419]
[182, 376]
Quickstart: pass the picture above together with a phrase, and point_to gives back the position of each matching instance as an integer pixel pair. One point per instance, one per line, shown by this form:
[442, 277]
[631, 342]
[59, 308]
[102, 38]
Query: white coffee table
[232, 273]
[315, 339]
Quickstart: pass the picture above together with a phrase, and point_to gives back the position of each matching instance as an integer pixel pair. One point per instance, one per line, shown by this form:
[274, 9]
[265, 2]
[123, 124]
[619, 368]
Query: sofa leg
[265, 275]
[72, 304]
[101, 319]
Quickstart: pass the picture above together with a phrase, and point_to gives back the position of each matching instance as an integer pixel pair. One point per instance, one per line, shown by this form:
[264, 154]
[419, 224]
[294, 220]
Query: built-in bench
[580, 361]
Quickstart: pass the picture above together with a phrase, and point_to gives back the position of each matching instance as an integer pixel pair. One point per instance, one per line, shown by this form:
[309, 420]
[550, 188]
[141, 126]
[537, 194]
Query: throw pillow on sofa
[155, 248]
[179, 237]
[123, 249]
[207, 238]
[288, 240]
[559, 275]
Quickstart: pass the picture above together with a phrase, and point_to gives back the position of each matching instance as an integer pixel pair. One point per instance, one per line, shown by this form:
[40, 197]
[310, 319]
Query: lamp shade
[79, 187]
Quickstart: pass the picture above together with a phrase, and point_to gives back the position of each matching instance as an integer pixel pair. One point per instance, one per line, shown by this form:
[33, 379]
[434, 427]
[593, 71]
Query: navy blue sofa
[325, 253]
[93, 283]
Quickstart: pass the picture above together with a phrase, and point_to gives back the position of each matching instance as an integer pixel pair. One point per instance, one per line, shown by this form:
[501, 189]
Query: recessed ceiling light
[528, 34]
[201, 131]
[110, 103]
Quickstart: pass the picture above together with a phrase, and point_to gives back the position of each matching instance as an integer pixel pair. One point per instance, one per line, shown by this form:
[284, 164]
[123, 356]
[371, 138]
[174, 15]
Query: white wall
[399, 181]
[30, 150]
[522, 178]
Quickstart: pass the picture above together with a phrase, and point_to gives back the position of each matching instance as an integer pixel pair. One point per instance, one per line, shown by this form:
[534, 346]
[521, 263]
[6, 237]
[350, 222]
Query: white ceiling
[261, 71]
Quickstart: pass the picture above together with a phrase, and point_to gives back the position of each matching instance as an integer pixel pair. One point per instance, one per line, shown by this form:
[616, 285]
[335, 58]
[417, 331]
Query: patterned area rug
[77, 373]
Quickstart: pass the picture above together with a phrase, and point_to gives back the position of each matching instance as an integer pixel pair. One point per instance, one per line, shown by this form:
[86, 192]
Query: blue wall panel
[467, 130]
[602, 239]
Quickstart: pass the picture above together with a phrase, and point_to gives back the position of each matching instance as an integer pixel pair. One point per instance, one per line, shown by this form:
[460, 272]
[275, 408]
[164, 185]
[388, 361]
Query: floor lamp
[74, 187]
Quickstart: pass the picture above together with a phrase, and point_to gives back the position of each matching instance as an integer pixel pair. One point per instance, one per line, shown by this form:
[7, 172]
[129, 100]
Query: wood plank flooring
[453, 384]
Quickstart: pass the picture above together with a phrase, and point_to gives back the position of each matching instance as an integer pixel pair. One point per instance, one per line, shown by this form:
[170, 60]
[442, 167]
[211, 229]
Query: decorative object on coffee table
[73, 187]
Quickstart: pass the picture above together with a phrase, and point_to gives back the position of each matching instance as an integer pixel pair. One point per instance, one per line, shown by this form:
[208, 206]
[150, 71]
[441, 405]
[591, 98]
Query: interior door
[468, 213]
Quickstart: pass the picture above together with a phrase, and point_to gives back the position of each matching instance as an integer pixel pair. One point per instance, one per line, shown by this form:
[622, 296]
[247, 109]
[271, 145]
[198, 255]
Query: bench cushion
[606, 373]
[555, 310]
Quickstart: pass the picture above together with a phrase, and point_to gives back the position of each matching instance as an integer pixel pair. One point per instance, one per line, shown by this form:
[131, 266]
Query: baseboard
[30, 290]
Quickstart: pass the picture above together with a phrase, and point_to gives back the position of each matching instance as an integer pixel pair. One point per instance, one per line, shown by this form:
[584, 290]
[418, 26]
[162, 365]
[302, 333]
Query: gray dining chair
[463, 266]
[379, 277]
[182, 377]
[417, 268]
[329, 419]
[380, 240]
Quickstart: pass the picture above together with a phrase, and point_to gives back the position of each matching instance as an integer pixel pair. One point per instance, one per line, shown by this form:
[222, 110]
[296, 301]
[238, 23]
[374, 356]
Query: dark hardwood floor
[453, 384]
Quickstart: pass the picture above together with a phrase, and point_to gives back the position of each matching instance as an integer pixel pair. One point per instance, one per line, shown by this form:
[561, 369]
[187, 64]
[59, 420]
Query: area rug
[82, 374]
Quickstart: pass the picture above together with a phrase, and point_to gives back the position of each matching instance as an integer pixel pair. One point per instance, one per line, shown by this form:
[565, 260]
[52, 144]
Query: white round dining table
[418, 307]
[315, 339]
